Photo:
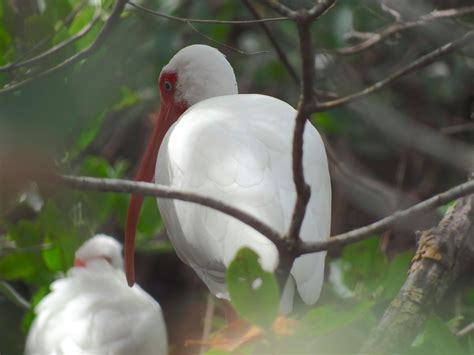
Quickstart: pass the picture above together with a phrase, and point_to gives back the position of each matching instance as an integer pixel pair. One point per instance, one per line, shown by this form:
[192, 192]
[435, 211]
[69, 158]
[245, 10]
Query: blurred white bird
[238, 149]
[93, 311]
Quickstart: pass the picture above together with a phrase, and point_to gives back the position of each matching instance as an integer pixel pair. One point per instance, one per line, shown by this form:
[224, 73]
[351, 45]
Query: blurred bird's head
[100, 247]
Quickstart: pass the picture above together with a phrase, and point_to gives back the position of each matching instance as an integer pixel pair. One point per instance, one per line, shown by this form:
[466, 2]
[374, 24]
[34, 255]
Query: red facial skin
[169, 114]
[81, 263]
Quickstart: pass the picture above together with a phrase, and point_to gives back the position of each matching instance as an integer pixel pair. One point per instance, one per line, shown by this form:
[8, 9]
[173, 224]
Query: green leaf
[396, 275]
[324, 320]
[14, 267]
[53, 258]
[30, 315]
[128, 98]
[253, 292]
[437, 339]
[365, 266]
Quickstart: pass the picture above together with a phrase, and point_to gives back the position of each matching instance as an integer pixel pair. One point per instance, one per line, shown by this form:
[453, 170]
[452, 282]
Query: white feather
[93, 311]
[237, 149]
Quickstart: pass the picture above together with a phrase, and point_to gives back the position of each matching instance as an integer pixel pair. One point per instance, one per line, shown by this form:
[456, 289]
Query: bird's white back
[93, 311]
[237, 149]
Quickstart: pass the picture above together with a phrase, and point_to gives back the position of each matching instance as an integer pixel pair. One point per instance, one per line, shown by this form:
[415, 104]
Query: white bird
[92, 311]
[237, 149]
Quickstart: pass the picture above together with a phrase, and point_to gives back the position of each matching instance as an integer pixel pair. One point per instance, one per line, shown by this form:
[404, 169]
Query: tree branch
[303, 191]
[275, 43]
[53, 50]
[364, 232]
[402, 26]
[417, 64]
[150, 189]
[215, 22]
[108, 27]
[161, 191]
[443, 253]
[13, 296]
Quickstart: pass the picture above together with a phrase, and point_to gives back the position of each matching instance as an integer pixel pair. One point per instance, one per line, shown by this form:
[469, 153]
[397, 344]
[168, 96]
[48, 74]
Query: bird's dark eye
[167, 85]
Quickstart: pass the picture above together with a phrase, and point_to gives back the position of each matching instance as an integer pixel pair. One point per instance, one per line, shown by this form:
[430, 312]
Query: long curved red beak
[146, 171]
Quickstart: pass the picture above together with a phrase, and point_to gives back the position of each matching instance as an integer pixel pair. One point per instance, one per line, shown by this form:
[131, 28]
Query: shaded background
[389, 150]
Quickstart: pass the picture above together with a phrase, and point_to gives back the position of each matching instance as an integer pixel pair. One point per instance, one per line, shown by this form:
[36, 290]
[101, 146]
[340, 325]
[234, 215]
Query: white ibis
[236, 148]
[93, 311]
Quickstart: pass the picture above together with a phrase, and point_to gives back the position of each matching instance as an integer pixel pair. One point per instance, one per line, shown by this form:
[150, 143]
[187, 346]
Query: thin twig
[456, 129]
[275, 43]
[417, 64]
[318, 10]
[53, 50]
[466, 330]
[208, 317]
[65, 22]
[402, 26]
[204, 21]
[281, 9]
[221, 44]
[108, 27]
[362, 233]
[13, 296]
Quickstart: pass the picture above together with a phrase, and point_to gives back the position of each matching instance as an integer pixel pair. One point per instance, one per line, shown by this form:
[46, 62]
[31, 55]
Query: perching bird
[92, 311]
[237, 149]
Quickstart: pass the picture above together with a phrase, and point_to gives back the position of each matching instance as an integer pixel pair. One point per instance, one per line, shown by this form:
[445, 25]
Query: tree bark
[443, 253]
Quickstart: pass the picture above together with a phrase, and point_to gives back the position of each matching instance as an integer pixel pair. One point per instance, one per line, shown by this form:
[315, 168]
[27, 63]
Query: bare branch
[303, 191]
[150, 189]
[221, 44]
[417, 64]
[215, 22]
[108, 27]
[275, 43]
[281, 9]
[402, 26]
[320, 9]
[53, 50]
[466, 330]
[456, 129]
[65, 22]
[362, 233]
[13, 296]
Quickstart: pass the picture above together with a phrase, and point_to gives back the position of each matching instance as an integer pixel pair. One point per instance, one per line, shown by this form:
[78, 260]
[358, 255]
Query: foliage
[89, 117]
[253, 291]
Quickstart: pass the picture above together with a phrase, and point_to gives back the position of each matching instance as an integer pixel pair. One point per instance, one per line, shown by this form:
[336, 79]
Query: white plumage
[238, 149]
[92, 311]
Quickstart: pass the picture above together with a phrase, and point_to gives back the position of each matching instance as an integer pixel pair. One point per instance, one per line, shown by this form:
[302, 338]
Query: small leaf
[324, 320]
[396, 275]
[30, 314]
[254, 292]
[437, 339]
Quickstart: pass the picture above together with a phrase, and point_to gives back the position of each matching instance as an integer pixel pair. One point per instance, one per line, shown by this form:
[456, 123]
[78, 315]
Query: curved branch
[149, 189]
[108, 27]
[417, 64]
[275, 43]
[215, 22]
[362, 233]
[53, 50]
[13, 296]
[402, 26]
[161, 191]
[303, 191]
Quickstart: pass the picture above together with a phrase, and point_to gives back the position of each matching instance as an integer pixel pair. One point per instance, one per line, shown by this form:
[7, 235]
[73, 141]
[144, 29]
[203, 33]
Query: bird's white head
[100, 247]
[195, 73]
